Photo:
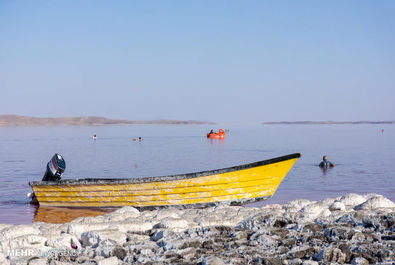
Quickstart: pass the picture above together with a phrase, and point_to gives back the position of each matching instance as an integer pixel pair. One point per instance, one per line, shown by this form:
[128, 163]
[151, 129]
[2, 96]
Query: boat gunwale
[104, 181]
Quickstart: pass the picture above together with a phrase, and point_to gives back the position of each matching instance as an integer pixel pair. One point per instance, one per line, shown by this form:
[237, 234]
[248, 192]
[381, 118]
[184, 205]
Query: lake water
[365, 158]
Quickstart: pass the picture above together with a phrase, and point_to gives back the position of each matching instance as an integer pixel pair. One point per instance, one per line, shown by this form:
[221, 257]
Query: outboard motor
[55, 168]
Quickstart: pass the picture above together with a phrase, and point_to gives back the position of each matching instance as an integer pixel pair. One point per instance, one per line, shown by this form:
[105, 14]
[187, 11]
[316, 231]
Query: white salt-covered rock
[97, 258]
[226, 211]
[138, 248]
[4, 226]
[213, 260]
[296, 261]
[296, 205]
[169, 244]
[90, 238]
[89, 220]
[113, 217]
[337, 206]
[231, 222]
[352, 199]
[262, 240]
[18, 230]
[3, 259]
[93, 238]
[271, 207]
[128, 211]
[327, 202]
[79, 228]
[222, 218]
[26, 241]
[330, 255]
[137, 239]
[142, 260]
[325, 213]
[109, 261]
[105, 249]
[146, 215]
[37, 262]
[359, 261]
[121, 214]
[187, 253]
[374, 203]
[171, 213]
[50, 230]
[173, 223]
[118, 237]
[146, 252]
[312, 211]
[371, 195]
[19, 261]
[127, 226]
[135, 226]
[66, 240]
[274, 209]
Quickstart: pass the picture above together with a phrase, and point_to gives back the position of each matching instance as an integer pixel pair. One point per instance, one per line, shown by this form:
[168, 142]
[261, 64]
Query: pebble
[359, 261]
[109, 261]
[309, 262]
[212, 260]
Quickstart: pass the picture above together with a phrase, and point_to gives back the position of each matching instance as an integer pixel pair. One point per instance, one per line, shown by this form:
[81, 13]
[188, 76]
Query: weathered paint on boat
[235, 185]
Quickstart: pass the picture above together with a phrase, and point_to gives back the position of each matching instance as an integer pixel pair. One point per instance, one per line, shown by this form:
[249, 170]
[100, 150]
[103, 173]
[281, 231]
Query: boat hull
[215, 136]
[236, 185]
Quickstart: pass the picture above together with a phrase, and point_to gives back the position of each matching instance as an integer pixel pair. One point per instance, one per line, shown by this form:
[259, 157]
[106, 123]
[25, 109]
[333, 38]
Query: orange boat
[220, 134]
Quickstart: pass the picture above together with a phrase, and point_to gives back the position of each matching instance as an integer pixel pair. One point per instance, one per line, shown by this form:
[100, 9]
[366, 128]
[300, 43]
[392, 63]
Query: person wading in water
[325, 163]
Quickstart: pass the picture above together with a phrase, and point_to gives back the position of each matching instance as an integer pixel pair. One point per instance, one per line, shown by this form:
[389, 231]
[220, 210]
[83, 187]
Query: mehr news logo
[59, 252]
[50, 254]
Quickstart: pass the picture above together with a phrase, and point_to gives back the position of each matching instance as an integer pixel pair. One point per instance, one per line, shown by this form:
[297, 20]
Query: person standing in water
[325, 163]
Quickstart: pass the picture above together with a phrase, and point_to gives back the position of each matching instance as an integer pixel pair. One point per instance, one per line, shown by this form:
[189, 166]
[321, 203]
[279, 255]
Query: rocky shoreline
[352, 229]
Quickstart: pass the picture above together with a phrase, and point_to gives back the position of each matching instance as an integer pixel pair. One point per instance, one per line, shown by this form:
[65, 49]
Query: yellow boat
[235, 185]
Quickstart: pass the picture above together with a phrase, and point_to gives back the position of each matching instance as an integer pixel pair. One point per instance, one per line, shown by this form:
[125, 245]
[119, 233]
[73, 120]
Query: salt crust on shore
[352, 229]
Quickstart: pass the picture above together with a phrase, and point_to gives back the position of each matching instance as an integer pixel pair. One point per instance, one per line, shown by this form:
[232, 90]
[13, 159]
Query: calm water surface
[365, 158]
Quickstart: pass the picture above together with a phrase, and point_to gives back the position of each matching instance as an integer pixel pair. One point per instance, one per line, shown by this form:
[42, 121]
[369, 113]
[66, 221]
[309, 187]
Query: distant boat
[236, 185]
[220, 134]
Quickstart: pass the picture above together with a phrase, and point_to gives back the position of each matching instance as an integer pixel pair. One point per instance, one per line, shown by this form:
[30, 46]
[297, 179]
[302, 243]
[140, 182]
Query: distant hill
[328, 122]
[16, 120]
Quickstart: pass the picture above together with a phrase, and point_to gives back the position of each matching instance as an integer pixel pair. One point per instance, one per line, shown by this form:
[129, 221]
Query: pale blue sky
[223, 61]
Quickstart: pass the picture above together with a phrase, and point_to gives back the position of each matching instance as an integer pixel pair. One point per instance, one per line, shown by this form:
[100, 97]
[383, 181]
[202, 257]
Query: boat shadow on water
[61, 215]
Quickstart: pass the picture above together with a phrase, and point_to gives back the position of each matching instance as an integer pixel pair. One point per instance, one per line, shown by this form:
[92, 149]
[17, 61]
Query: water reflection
[325, 170]
[60, 215]
[219, 141]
